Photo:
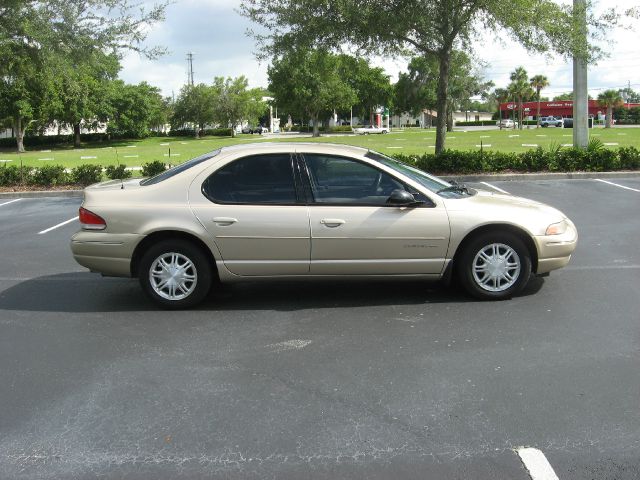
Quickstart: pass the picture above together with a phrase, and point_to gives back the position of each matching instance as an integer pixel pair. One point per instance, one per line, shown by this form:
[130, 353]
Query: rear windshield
[179, 168]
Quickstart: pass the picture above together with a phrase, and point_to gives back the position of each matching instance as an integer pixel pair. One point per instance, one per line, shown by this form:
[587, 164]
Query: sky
[216, 35]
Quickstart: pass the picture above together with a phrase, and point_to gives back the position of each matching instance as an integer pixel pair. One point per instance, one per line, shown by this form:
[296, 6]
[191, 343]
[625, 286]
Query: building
[562, 109]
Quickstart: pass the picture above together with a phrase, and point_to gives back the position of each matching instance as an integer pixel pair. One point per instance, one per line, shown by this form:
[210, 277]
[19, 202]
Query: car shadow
[87, 292]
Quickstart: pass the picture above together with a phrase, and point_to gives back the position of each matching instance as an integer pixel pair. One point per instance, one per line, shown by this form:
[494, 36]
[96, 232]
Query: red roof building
[563, 108]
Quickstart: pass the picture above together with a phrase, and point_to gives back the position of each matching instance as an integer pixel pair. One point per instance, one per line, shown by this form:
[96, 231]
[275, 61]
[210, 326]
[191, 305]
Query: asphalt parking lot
[323, 380]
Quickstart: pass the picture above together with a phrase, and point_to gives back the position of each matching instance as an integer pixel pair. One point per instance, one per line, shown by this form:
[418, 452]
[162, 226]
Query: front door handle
[332, 222]
[225, 221]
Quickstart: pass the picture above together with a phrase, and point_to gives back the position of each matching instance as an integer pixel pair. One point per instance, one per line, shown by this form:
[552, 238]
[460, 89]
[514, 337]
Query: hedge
[596, 159]
[51, 140]
[450, 162]
[214, 132]
[336, 129]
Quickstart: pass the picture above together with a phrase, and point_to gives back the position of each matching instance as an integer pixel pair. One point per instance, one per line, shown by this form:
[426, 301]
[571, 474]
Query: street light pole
[580, 85]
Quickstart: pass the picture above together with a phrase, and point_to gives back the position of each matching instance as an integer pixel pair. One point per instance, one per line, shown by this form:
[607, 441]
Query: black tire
[469, 260]
[197, 289]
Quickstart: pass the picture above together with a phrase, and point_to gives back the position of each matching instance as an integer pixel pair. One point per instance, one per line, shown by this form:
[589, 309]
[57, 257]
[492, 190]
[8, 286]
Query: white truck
[550, 121]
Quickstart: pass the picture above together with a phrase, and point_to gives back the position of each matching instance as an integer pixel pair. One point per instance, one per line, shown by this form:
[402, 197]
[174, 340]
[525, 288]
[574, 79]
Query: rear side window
[259, 179]
[179, 168]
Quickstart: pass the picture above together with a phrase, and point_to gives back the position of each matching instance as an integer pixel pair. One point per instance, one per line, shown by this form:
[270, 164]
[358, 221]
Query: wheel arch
[162, 235]
[494, 228]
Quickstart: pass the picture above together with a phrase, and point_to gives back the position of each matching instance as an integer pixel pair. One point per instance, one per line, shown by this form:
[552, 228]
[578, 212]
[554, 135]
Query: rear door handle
[225, 221]
[332, 222]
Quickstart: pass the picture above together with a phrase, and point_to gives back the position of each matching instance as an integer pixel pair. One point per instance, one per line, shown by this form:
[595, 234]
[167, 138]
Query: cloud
[216, 34]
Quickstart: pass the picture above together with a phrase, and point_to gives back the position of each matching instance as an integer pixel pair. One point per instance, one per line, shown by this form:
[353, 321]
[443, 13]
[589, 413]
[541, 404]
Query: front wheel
[494, 266]
[175, 274]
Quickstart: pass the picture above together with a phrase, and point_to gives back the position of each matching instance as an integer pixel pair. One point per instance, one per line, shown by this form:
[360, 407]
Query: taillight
[91, 221]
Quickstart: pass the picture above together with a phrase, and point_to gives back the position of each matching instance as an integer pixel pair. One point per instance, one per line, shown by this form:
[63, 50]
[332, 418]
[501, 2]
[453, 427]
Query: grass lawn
[412, 141]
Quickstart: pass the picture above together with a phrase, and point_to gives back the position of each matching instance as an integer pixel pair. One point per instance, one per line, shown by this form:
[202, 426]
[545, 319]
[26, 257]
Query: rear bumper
[554, 251]
[106, 253]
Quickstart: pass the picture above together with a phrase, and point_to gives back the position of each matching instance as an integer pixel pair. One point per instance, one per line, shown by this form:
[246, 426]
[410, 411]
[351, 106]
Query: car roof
[267, 147]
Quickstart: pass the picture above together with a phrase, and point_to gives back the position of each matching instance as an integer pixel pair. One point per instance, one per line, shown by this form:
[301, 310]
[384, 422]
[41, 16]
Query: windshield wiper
[455, 187]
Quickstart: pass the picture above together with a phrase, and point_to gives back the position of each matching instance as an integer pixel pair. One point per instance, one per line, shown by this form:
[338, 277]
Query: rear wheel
[175, 274]
[494, 266]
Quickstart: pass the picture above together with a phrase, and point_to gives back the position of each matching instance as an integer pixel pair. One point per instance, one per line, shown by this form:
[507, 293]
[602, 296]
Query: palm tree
[610, 99]
[539, 82]
[520, 89]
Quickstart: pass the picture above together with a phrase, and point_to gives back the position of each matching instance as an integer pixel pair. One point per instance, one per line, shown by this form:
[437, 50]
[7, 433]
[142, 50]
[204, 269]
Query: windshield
[433, 183]
[179, 168]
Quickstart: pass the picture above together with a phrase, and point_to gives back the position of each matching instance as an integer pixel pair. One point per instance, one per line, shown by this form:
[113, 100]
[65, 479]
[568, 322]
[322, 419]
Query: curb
[505, 177]
[499, 177]
[44, 193]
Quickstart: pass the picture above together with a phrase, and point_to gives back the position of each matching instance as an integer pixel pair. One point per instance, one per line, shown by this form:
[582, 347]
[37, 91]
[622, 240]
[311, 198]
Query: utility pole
[190, 69]
[580, 86]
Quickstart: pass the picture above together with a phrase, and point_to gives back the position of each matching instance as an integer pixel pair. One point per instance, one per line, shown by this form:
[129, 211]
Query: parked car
[259, 130]
[371, 129]
[550, 122]
[295, 210]
[506, 123]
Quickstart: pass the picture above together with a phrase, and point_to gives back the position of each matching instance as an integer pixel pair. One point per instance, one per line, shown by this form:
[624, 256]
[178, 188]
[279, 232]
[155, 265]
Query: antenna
[190, 69]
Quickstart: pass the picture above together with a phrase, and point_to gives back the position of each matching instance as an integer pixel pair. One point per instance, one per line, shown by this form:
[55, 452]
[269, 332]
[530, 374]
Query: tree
[370, 84]
[425, 27]
[235, 102]
[629, 95]
[538, 82]
[309, 81]
[27, 89]
[132, 109]
[194, 105]
[465, 82]
[82, 88]
[610, 99]
[416, 89]
[520, 89]
[40, 37]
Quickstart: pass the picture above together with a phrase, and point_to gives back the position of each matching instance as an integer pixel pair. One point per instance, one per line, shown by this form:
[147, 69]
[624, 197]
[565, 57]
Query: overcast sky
[216, 34]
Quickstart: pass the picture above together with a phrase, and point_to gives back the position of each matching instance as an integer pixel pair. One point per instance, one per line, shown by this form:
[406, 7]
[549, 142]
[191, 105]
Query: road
[362, 380]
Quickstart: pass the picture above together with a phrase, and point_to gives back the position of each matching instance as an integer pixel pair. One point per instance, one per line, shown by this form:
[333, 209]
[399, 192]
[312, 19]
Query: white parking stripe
[495, 188]
[616, 185]
[58, 225]
[537, 464]
[10, 201]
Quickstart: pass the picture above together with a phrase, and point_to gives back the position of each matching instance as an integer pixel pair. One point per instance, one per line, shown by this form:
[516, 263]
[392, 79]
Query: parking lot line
[495, 188]
[537, 464]
[58, 225]
[10, 201]
[617, 185]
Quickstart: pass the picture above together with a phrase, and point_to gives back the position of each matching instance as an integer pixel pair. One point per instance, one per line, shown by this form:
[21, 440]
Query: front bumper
[106, 253]
[554, 251]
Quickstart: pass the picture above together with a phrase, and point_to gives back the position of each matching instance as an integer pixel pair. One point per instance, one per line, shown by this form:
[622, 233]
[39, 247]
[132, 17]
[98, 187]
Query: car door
[252, 208]
[353, 229]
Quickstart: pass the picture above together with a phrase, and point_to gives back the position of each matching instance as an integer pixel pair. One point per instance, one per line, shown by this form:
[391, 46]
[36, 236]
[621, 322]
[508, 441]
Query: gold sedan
[312, 210]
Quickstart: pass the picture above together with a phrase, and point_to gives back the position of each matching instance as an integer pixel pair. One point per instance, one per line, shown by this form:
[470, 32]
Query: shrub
[117, 172]
[14, 175]
[217, 132]
[152, 169]
[48, 175]
[86, 174]
[629, 158]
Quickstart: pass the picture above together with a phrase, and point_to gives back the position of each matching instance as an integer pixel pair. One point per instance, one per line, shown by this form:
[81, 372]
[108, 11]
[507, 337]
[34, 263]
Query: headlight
[557, 228]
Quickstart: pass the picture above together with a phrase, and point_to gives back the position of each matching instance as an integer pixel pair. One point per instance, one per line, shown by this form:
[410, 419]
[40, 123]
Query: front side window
[343, 181]
[259, 179]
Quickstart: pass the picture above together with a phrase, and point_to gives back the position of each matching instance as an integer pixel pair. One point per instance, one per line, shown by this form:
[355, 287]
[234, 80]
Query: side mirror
[401, 198]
